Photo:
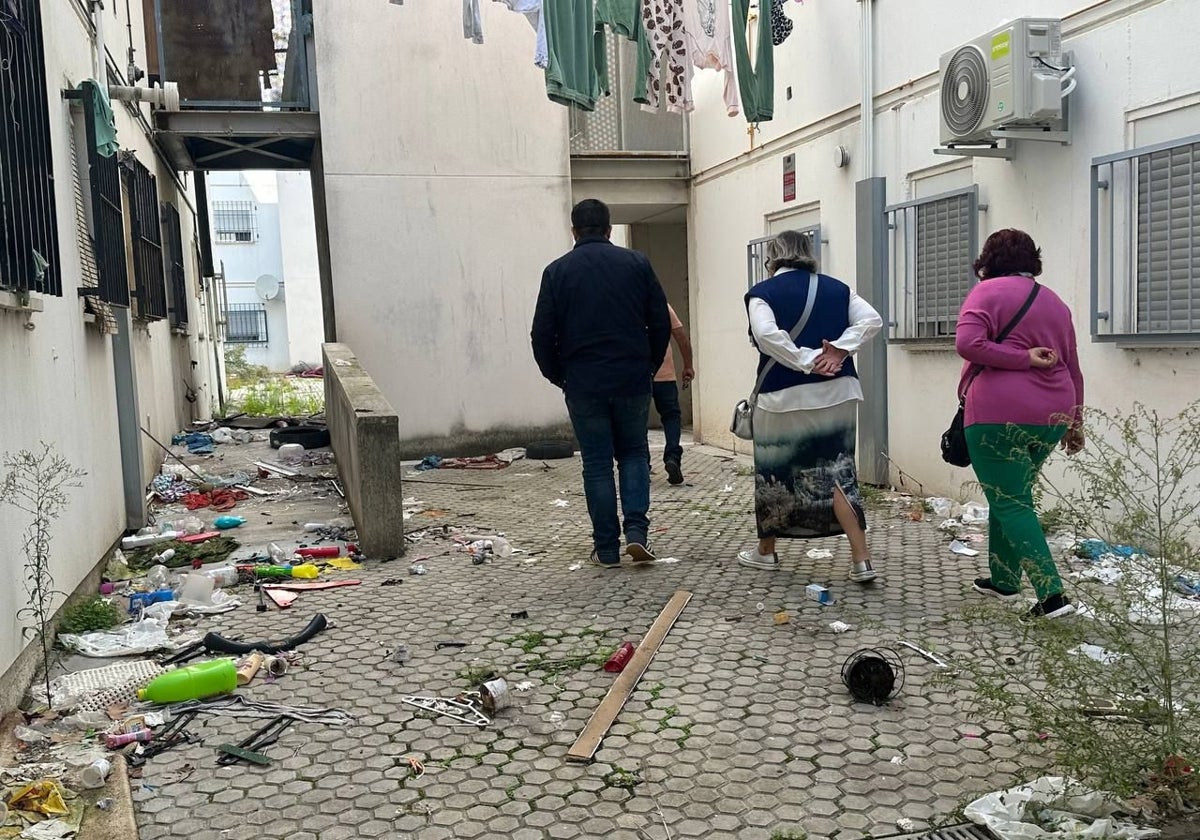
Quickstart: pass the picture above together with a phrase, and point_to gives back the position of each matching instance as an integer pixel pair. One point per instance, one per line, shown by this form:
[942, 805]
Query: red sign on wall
[789, 177]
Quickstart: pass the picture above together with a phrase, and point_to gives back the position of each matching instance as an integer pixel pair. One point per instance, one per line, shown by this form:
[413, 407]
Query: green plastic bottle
[194, 682]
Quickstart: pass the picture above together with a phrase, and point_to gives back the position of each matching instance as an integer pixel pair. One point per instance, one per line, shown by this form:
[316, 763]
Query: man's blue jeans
[609, 428]
[666, 400]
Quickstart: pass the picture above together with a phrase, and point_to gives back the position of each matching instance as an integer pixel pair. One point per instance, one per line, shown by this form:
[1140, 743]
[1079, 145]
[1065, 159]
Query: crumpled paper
[1053, 807]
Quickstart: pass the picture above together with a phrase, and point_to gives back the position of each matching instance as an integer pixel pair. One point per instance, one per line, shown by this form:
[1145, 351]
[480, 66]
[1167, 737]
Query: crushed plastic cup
[158, 577]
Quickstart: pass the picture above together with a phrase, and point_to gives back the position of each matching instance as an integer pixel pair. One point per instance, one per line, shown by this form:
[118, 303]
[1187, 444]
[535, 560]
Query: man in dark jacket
[600, 331]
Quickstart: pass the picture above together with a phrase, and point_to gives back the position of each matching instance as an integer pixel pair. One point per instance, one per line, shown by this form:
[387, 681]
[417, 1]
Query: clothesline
[677, 36]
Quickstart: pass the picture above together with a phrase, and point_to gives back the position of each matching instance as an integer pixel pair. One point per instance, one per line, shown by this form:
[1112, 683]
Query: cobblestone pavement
[740, 728]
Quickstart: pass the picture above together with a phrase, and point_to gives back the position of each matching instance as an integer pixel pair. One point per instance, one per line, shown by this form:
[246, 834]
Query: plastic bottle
[158, 576]
[319, 551]
[620, 658]
[315, 526]
[164, 556]
[305, 571]
[194, 682]
[224, 523]
[222, 575]
[278, 555]
[273, 571]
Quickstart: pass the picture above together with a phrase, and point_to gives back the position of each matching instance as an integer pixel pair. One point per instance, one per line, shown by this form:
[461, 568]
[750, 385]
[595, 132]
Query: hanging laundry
[757, 81]
[624, 17]
[781, 24]
[663, 21]
[106, 126]
[706, 24]
[472, 23]
[532, 9]
[572, 77]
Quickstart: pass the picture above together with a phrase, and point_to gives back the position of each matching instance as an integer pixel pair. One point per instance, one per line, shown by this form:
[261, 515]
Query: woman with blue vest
[806, 325]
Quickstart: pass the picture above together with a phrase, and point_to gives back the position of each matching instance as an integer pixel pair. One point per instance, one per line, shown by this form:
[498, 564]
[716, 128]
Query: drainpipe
[867, 106]
[101, 52]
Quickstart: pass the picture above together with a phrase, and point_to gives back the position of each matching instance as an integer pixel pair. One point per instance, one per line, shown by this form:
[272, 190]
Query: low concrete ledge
[365, 433]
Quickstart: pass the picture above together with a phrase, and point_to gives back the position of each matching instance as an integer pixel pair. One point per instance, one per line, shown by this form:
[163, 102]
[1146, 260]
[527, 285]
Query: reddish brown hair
[1009, 252]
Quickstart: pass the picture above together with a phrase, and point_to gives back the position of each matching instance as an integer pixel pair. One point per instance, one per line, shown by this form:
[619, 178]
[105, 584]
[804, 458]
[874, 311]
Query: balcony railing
[236, 54]
[619, 124]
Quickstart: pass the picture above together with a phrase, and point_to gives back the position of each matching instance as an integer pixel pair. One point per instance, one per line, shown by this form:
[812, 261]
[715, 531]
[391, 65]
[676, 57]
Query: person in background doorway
[666, 398]
[1024, 396]
[805, 416]
[600, 330]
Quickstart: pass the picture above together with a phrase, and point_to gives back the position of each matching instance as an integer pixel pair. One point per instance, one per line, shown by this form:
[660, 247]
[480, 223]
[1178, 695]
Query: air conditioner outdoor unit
[1014, 77]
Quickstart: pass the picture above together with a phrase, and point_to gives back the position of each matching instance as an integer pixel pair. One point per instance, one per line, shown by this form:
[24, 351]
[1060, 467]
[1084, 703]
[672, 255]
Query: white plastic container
[95, 774]
[221, 575]
[291, 453]
[143, 540]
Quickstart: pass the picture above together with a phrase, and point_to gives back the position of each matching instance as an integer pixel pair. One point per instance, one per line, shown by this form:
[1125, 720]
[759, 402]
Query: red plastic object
[319, 551]
[199, 538]
[620, 658]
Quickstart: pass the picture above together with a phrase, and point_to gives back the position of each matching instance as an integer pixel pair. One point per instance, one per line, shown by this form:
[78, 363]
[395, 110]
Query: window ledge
[1165, 344]
[924, 345]
[182, 331]
[18, 303]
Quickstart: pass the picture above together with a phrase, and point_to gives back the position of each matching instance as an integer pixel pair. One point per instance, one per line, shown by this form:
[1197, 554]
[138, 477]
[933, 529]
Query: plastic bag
[1073, 811]
[974, 513]
[941, 507]
[144, 636]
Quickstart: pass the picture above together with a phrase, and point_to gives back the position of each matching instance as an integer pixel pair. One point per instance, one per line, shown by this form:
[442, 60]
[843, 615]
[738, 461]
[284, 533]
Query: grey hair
[791, 249]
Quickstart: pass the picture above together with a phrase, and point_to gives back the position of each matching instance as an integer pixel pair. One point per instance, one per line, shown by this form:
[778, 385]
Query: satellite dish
[267, 286]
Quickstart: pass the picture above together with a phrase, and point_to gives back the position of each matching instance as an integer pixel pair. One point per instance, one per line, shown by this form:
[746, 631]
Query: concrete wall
[448, 191]
[58, 368]
[1130, 70]
[297, 232]
[365, 434]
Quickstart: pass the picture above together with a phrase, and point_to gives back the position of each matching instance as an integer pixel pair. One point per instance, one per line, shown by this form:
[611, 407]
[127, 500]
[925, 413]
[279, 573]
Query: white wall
[302, 277]
[448, 191]
[59, 374]
[1128, 61]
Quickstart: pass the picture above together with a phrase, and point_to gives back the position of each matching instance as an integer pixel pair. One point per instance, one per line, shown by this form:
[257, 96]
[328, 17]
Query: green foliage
[239, 373]
[789, 834]
[36, 484]
[623, 779]
[276, 396]
[1120, 724]
[89, 615]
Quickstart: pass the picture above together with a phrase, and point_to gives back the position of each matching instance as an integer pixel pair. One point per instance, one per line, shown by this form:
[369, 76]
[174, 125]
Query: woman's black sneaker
[984, 586]
[1056, 606]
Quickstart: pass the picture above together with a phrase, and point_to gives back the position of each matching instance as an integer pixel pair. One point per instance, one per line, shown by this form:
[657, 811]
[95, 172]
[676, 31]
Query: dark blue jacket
[787, 293]
[601, 327]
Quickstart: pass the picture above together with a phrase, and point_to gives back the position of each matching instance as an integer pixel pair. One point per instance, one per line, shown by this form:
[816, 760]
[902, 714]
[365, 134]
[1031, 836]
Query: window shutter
[1168, 234]
[944, 254]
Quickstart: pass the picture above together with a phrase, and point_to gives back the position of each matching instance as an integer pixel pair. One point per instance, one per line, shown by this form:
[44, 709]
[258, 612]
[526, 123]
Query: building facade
[104, 327]
[1130, 275]
[264, 244]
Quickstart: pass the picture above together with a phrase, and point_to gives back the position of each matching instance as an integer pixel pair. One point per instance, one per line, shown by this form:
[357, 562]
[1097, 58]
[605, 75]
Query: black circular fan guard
[873, 675]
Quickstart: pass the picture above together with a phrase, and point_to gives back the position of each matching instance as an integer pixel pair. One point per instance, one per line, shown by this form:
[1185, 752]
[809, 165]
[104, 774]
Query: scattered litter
[1053, 807]
[974, 513]
[898, 760]
[524, 685]
[250, 749]
[840, 627]
[667, 560]
[937, 661]
[104, 804]
[820, 554]
[905, 824]
[1095, 549]
[27, 773]
[96, 689]
[146, 636]
[240, 706]
[782, 617]
[818, 593]
[465, 708]
[575, 567]
[1096, 653]
[873, 675]
[43, 797]
[400, 654]
[959, 547]
[418, 570]
[343, 564]
[49, 830]
[519, 614]
[941, 506]
[728, 488]
[951, 525]
[620, 658]
[561, 503]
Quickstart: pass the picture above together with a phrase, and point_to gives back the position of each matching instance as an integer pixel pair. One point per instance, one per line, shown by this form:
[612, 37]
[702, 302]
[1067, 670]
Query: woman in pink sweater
[1023, 397]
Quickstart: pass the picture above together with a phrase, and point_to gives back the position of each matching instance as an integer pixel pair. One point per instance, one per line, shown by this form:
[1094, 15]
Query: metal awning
[234, 140]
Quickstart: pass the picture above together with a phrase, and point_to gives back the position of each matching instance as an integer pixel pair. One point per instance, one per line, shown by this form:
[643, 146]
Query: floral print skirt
[800, 457]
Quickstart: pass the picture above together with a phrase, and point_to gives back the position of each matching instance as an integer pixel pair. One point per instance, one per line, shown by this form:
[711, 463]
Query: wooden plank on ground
[606, 713]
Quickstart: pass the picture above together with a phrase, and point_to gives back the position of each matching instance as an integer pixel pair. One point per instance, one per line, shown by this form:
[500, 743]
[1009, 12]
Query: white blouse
[775, 343]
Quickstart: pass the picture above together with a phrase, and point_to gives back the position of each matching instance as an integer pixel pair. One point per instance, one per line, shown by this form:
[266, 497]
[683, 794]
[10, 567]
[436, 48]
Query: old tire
[310, 437]
[550, 450]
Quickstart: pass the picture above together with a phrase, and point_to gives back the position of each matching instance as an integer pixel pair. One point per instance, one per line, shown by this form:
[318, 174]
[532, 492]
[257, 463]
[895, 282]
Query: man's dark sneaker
[1055, 606]
[984, 586]
[640, 551]
[674, 472]
[604, 564]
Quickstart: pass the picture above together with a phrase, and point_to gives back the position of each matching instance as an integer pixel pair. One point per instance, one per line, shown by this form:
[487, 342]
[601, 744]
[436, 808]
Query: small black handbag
[954, 439]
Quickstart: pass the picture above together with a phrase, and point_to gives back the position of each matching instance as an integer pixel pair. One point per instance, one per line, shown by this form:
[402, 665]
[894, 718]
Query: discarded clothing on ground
[497, 461]
[221, 499]
[215, 550]
[169, 488]
[198, 443]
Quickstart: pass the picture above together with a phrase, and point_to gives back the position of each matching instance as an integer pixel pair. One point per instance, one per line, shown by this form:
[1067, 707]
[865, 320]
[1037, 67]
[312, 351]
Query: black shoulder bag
[954, 439]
